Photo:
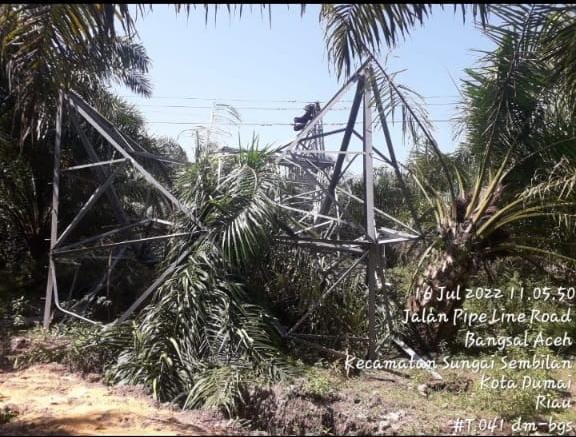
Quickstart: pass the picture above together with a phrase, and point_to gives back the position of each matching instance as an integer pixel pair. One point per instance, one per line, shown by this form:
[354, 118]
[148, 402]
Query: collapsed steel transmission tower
[320, 220]
[315, 202]
[130, 235]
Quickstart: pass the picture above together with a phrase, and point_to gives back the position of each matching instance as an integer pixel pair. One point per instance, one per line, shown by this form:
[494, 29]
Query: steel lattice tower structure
[315, 202]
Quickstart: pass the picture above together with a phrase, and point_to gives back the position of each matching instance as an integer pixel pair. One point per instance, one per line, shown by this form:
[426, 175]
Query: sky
[268, 72]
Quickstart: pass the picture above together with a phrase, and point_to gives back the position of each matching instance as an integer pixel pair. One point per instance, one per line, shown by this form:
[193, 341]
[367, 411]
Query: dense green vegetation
[500, 205]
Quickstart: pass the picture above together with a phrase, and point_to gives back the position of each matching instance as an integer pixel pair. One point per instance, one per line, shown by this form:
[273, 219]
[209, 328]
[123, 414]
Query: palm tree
[202, 338]
[46, 48]
[472, 232]
[355, 32]
[516, 131]
[26, 192]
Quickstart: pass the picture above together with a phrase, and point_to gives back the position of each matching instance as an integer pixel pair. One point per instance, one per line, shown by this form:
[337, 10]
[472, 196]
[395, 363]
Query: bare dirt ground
[48, 400]
[375, 403]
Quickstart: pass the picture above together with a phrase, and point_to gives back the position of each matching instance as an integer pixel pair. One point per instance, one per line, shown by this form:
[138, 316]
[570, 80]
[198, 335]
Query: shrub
[7, 414]
[318, 385]
[80, 347]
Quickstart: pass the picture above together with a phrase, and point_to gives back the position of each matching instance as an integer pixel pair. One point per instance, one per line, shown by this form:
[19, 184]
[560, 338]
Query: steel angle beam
[95, 164]
[54, 212]
[355, 248]
[322, 135]
[158, 282]
[104, 234]
[316, 304]
[383, 231]
[86, 207]
[335, 176]
[119, 143]
[324, 110]
[59, 252]
[384, 241]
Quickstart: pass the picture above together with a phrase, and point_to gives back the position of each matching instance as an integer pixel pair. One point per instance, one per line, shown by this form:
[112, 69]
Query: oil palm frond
[46, 48]
[203, 323]
[475, 229]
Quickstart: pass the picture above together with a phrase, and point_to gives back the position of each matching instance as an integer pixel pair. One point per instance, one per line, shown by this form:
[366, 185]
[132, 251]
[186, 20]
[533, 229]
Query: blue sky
[267, 72]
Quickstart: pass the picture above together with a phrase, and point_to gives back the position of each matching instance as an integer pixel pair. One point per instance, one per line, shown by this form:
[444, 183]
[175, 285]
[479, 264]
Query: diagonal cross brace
[323, 111]
[121, 145]
[324, 295]
[85, 208]
[344, 146]
[100, 173]
[157, 283]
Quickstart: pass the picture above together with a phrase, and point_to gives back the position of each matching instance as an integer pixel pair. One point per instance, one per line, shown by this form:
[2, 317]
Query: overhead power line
[204, 123]
[259, 108]
[243, 108]
[213, 99]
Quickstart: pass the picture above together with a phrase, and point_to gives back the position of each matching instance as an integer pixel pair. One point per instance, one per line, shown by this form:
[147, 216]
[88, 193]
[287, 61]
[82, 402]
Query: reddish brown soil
[48, 400]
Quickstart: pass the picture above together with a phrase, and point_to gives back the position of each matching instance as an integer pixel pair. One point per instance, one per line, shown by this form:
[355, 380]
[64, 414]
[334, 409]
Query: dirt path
[50, 401]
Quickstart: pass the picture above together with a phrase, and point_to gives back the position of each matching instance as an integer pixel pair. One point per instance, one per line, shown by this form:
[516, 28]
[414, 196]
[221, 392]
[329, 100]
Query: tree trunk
[433, 294]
